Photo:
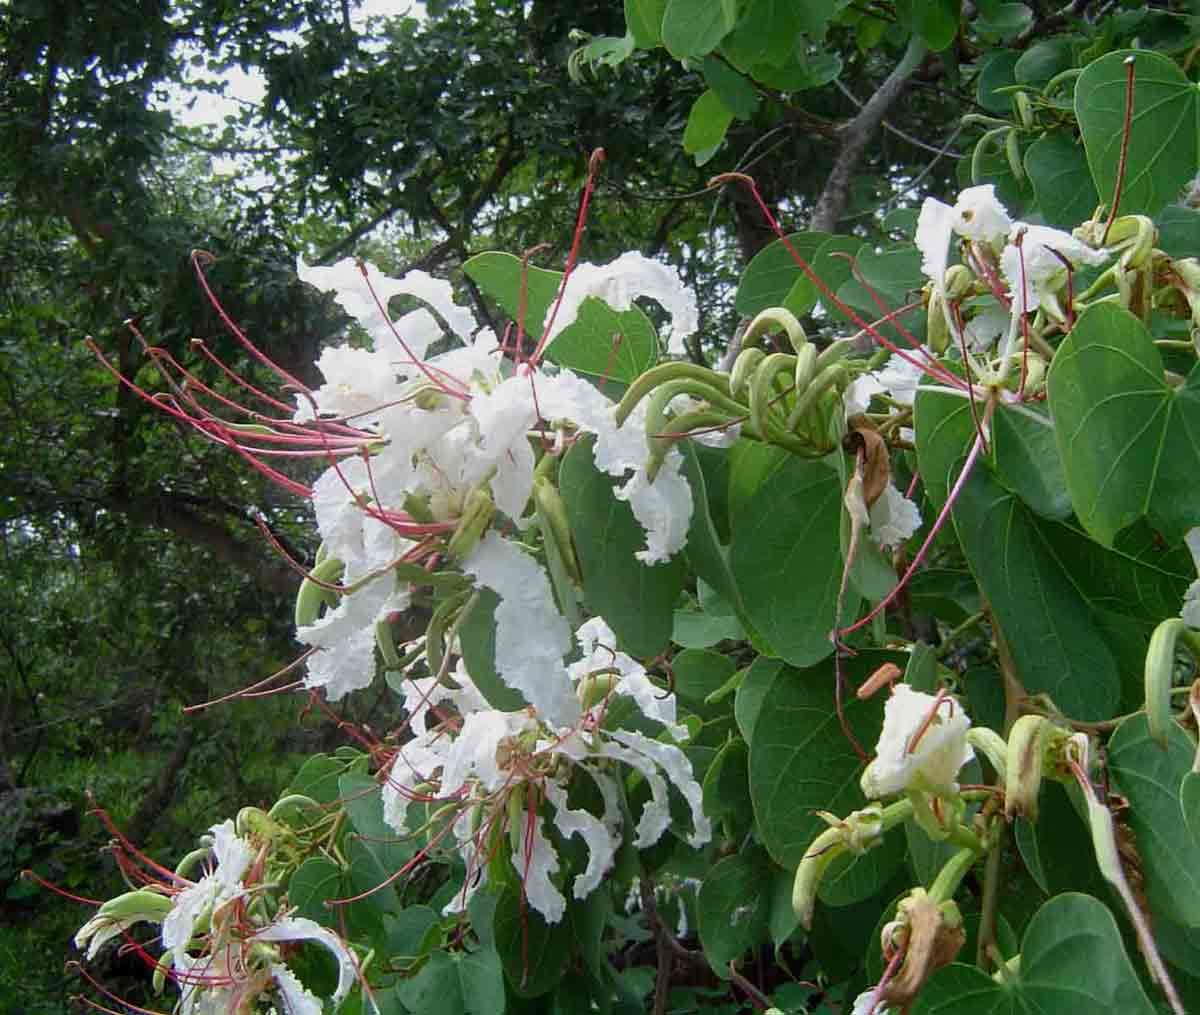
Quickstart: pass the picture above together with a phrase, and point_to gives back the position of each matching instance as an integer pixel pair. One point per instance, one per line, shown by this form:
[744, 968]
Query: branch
[1041, 27]
[856, 136]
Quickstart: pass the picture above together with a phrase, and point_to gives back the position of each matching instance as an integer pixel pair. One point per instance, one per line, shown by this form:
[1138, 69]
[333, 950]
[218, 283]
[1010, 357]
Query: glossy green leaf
[996, 21]
[699, 673]
[695, 27]
[1043, 60]
[800, 759]
[727, 786]
[315, 881]
[997, 69]
[456, 983]
[1072, 959]
[637, 601]
[477, 638]
[362, 798]
[733, 907]
[1164, 133]
[852, 879]
[1062, 183]
[1178, 231]
[1129, 443]
[766, 30]
[1150, 778]
[1027, 461]
[1189, 804]
[735, 91]
[935, 21]
[318, 778]
[787, 560]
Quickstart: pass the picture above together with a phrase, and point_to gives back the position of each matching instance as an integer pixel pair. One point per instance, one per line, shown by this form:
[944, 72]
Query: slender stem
[991, 893]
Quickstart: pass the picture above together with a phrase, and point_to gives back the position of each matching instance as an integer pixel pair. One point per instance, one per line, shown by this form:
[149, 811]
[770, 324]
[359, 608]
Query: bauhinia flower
[220, 948]
[508, 773]
[922, 746]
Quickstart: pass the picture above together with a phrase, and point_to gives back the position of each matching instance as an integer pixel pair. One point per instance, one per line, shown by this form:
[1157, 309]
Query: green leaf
[1042, 61]
[747, 703]
[1178, 231]
[997, 21]
[695, 27]
[852, 879]
[1164, 137]
[1062, 183]
[1129, 443]
[707, 123]
[736, 93]
[643, 19]
[766, 31]
[773, 278]
[637, 601]
[801, 761]
[1150, 778]
[534, 953]
[935, 21]
[698, 674]
[997, 69]
[318, 778]
[733, 907]
[411, 933]
[1027, 461]
[1072, 959]
[1189, 802]
[363, 801]
[787, 559]
[727, 786]
[587, 346]
[1042, 613]
[315, 881]
[456, 983]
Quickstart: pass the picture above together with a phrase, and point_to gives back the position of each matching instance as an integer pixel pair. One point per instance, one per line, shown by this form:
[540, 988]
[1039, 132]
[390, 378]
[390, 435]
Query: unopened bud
[1025, 763]
[477, 515]
[937, 330]
[1159, 676]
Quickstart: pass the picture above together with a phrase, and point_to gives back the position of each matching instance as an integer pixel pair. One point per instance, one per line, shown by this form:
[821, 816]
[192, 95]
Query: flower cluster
[444, 440]
[221, 933]
[500, 768]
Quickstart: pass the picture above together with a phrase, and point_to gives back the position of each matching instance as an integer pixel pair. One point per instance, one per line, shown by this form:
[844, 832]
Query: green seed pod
[313, 595]
[477, 515]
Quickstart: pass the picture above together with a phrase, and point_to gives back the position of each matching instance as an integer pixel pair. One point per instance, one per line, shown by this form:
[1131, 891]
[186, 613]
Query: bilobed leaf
[456, 983]
[637, 601]
[787, 560]
[800, 759]
[1150, 778]
[1164, 133]
[1129, 443]
[695, 27]
[1072, 959]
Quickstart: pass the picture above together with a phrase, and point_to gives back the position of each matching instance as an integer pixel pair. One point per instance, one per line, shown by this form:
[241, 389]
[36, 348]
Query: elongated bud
[1025, 761]
[162, 969]
[1024, 110]
[477, 515]
[937, 330]
[771, 319]
[859, 832]
[1012, 149]
[806, 367]
[744, 368]
[1159, 675]
[313, 595]
[142, 904]
[552, 513]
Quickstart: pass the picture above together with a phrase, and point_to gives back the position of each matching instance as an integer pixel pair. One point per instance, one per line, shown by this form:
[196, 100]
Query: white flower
[1037, 265]
[935, 226]
[922, 746]
[619, 283]
[894, 518]
[900, 377]
[863, 1004]
[212, 891]
[978, 215]
[299, 928]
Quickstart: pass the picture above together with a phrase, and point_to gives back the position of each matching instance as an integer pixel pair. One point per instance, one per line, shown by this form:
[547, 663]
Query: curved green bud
[744, 368]
[680, 426]
[553, 515]
[477, 515]
[435, 634]
[833, 376]
[763, 391]
[959, 280]
[312, 595]
[662, 373]
[1024, 110]
[1012, 151]
[827, 847]
[1159, 675]
[162, 969]
[770, 319]
[141, 904]
[296, 800]
[660, 401]
[806, 367]
[516, 818]
[385, 641]
[937, 330]
[1026, 763]
[834, 352]
[981, 149]
[196, 856]
[595, 687]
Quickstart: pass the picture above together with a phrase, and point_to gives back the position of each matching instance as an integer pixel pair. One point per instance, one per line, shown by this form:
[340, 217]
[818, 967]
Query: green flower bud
[1025, 764]
[477, 515]
[1159, 676]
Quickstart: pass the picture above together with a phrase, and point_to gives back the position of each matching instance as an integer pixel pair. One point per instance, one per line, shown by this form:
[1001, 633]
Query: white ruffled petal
[600, 843]
[679, 770]
[894, 518]
[299, 928]
[297, 999]
[933, 763]
[535, 865]
[532, 637]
